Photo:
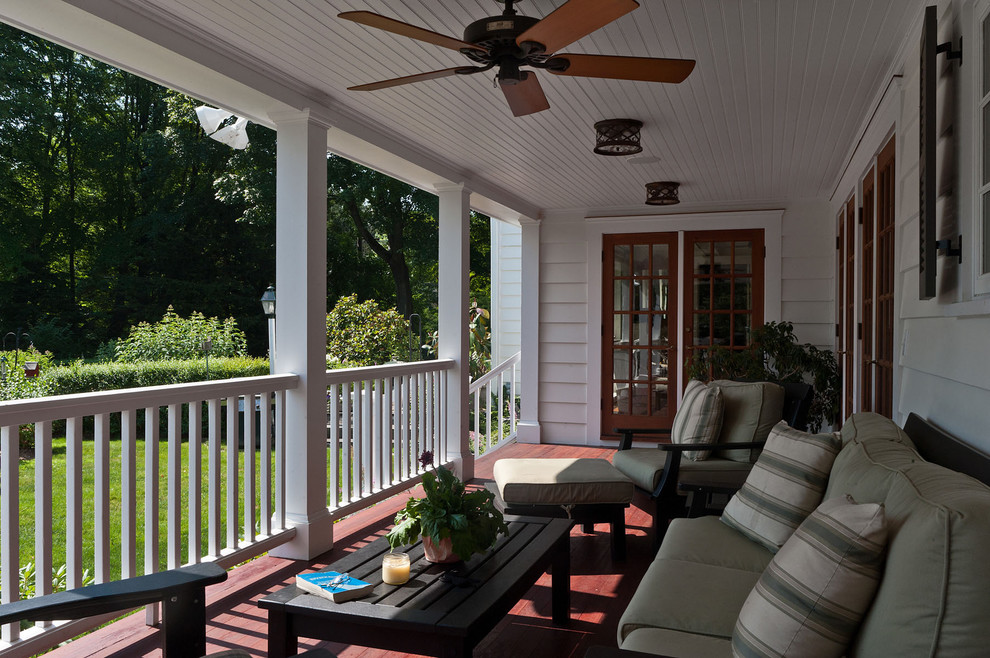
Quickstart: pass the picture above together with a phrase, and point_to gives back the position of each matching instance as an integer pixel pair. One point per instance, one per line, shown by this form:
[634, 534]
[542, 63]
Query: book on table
[333, 585]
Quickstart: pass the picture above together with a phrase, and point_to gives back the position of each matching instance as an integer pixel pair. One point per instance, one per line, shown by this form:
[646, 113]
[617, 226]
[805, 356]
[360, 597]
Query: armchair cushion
[751, 409]
[699, 418]
[812, 597]
[786, 484]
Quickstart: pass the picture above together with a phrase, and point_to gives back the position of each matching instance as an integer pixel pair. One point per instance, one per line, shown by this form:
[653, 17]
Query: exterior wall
[506, 305]
[942, 369]
[798, 289]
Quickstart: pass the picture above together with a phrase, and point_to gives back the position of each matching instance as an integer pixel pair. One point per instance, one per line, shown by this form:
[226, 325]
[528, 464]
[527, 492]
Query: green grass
[27, 504]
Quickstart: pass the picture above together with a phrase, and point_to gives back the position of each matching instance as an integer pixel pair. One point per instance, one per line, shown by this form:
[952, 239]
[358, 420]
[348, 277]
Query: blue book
[333, 585]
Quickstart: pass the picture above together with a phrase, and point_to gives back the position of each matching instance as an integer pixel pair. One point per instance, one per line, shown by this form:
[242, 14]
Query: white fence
[380, 419]
[252, 522]
[493, 404]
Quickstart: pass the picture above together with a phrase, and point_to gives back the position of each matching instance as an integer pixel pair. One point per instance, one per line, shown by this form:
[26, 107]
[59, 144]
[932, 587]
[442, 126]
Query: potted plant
[454, 523]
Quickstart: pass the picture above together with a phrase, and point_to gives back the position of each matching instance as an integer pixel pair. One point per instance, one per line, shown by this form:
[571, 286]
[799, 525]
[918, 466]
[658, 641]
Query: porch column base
[314, 536]
[528, 431]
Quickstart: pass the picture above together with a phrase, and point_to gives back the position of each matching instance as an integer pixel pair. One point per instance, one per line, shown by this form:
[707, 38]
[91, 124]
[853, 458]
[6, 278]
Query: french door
[847, 304]
[639, 330]
[722, 280]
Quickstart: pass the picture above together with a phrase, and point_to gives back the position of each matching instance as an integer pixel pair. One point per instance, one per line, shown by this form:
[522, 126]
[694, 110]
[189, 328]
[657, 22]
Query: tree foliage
[362, 334]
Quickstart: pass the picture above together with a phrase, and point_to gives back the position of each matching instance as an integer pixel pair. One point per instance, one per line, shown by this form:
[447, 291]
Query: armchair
[751, 410]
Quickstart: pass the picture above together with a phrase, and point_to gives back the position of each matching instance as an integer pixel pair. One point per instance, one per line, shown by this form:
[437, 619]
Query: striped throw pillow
[812, 597]
[699, 418]
[786, 484]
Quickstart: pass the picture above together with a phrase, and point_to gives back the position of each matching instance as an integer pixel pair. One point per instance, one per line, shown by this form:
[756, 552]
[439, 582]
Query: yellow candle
[395, 568]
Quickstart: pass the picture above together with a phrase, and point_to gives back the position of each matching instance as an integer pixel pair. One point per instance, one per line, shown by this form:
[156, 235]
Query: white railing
[380, 419]
[494, 422]
[251, 521]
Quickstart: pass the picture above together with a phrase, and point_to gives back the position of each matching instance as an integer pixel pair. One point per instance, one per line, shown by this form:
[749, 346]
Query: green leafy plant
[362, 334]
[479, 341]
[469, 519]
[774, 354]
[175, 337]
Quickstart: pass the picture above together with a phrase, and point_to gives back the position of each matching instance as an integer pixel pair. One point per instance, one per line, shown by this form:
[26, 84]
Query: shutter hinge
[764, 251]
[859, 215]
[603, 255]
[837, 333]
[859, 331]
[838, 244]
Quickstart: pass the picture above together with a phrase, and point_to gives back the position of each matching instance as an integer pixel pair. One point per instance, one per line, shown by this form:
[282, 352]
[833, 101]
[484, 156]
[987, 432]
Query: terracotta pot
[442, 553]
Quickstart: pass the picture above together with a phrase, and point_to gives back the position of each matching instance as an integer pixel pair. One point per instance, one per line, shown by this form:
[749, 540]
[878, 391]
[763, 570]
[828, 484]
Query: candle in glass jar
[395, 568]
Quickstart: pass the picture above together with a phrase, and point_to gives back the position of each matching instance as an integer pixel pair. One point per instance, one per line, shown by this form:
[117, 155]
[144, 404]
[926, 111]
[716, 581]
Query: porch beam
[529, 330]
[452, 294]
[300, 334]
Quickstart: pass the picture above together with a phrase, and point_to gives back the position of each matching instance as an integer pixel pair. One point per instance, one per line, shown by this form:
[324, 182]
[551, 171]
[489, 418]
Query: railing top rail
[344, 375]
[19, 412]
[493, 373]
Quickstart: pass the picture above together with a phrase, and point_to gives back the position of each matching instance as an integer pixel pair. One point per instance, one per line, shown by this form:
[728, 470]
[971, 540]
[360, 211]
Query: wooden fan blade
[406, 30]
[647, 69]
[525, 97]
[573, 20]
[406, 79]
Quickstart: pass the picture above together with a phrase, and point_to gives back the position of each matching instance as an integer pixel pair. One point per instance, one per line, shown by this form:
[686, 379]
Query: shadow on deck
[600, 589]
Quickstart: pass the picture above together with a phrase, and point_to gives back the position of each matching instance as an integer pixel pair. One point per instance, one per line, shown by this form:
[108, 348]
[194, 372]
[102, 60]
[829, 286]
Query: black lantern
[617, 137]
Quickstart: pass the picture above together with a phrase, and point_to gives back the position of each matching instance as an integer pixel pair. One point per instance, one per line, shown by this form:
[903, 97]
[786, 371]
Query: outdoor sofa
[933, 591]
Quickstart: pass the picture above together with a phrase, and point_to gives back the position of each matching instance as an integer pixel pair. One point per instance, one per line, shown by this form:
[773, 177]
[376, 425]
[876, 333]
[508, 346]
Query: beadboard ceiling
[777, 99]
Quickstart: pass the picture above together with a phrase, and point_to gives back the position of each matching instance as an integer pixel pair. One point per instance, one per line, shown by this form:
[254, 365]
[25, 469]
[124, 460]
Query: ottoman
[587, 490]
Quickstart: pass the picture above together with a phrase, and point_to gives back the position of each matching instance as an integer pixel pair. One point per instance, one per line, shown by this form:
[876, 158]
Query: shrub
[174, 337]
[82, 377]
[361, 334]
[14, 385]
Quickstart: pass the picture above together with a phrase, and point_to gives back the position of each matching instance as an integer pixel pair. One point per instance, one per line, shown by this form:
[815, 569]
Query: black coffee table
[433, 614]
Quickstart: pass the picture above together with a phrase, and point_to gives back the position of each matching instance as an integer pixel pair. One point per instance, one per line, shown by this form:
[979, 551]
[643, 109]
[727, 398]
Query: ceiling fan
[510, 41]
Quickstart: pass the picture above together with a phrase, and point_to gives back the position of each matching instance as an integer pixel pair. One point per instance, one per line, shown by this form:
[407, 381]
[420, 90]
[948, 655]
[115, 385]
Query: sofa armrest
[599, 651]
[627, 434]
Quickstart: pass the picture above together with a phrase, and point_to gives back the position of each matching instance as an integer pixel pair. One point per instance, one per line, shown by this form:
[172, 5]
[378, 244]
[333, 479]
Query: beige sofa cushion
[751, 409]
[644, 466]
[560, 482]
[811, 598]
[785, 486]
[868, 425]
[677, 644]
[934, 595]
[706, 540]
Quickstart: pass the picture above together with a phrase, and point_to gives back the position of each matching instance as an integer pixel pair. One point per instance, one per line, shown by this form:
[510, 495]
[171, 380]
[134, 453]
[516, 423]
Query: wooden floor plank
[600, 589]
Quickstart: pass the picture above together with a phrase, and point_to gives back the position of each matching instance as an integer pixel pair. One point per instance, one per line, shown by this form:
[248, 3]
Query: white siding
[506, 304]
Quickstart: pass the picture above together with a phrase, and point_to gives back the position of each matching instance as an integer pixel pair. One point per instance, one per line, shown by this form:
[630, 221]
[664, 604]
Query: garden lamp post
[17, 342]
[268, 305]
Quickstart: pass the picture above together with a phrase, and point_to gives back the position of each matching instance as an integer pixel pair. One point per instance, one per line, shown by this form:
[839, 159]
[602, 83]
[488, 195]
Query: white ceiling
[777, 99]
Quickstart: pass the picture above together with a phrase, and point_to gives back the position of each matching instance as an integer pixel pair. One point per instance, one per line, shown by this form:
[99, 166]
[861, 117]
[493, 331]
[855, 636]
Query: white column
[300, 311]
[452, 294]
[529, 358]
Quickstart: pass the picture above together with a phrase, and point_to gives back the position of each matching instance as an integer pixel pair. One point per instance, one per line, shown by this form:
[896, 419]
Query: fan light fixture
[617, 137]
[662, 193]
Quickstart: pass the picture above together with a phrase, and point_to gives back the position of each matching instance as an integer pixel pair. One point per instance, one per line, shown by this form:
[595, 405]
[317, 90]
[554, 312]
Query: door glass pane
[660, 400]
[722, 294]
[641, 364]
[702, 329]
[740, 329]
[641, 329]
[621, 295]
[620, 364]
[658, 365]
[641, 260]
[620, 329]
[620, 398]
[722, 260]
[702, 256]
[743, 298]
[661, 329]
[702, 294]
[660, 291]
[621, 258]
[661, 260]
[744, 258]
[720, 329]
[640, 400]
[641, 292]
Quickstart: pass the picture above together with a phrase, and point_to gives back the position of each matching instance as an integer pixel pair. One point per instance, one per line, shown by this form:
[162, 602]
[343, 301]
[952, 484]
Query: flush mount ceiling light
[662, 193]
[617, 137]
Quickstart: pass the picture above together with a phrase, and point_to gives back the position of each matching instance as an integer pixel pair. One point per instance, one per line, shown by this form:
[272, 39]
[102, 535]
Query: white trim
[976, 101]
[595, 228]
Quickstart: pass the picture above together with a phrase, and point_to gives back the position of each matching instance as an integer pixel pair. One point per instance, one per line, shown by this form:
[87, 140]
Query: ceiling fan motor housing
[497, 35]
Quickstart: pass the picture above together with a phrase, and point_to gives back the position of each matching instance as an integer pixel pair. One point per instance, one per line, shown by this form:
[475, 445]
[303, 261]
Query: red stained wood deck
[600, 589]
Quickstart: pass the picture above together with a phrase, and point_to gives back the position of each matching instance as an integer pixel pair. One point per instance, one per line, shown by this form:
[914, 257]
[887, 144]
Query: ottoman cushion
[561, 482]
